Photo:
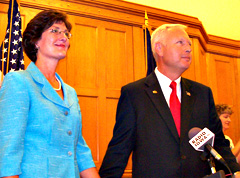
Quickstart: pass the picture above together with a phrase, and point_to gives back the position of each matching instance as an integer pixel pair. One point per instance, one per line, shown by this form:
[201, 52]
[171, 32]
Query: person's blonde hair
[224, 109]
[159, 35]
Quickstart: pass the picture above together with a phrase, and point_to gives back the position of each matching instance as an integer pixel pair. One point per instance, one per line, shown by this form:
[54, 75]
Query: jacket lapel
[46, 88]
[155, 93]
[68, 98]
[187, 104]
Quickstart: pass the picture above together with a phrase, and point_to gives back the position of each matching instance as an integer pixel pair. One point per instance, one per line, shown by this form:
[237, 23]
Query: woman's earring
[37, 47]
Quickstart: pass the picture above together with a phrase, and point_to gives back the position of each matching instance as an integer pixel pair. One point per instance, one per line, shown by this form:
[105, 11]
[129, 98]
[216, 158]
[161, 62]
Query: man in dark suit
[147, 125]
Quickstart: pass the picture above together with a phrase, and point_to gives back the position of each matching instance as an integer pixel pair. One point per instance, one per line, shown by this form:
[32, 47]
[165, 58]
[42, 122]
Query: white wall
[219, 17]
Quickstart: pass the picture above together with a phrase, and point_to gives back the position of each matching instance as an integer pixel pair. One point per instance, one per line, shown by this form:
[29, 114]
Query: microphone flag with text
[203, 140]
[199, 138]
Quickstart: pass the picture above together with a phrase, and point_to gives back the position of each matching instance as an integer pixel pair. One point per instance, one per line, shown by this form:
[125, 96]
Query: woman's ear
[36, 45]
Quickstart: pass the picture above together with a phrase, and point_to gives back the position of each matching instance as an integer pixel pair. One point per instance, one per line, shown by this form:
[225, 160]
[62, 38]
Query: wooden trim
[223, 46]
[133, 14]
[220, 41]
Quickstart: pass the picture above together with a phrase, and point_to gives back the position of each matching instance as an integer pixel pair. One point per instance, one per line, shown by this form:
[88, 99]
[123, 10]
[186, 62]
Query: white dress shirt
[165, 83]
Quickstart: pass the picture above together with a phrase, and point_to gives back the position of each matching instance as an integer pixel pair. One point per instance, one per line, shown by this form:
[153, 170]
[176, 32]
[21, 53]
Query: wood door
[223, 83]
[99, 63]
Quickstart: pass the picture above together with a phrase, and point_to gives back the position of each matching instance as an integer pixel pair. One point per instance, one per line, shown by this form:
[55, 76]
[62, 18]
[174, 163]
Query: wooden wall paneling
[118, 54]
[3, 21]
[82, 62]
[82, 74]
[199, 57]
[211, 73]
[223, 46]
[83, 59]
[99, 64]
[236, 114]
[202, 77]
[225, 80]
[224, 90]
[140, 68]
[90, 121]
[234, 127]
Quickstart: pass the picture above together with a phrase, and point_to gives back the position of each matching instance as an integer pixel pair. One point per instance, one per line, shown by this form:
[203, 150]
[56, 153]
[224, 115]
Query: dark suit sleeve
[122, 142]
[221, 144]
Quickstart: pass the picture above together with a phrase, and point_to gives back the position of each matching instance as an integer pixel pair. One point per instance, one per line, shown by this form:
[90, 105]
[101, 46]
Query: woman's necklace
[60, 85]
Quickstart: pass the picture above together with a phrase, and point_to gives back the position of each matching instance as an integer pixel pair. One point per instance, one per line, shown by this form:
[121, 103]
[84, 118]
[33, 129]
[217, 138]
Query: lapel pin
[154, 91]
[189, 94]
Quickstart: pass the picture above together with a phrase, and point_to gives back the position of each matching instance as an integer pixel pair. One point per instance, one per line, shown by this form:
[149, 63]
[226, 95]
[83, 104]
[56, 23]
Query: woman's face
[54, 43]
[225, 118]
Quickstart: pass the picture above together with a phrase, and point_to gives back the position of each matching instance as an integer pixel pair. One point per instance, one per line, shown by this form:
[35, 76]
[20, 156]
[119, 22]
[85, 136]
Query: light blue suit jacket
[40, 134]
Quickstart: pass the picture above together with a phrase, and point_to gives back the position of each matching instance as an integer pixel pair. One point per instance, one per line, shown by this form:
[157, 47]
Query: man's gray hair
[159, 35]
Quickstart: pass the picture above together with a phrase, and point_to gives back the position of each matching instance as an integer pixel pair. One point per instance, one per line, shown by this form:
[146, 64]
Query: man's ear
[159, 49]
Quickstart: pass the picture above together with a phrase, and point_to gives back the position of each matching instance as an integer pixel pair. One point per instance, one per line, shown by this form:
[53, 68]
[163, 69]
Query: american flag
[11, 52]
[151, 63]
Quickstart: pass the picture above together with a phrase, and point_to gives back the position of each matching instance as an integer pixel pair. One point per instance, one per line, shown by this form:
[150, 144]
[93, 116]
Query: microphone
[202, 140]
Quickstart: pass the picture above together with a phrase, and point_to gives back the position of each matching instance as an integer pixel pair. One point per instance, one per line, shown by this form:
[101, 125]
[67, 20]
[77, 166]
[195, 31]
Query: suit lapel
[68, 98]
[187, 104]
[155, 93]
[45, 86]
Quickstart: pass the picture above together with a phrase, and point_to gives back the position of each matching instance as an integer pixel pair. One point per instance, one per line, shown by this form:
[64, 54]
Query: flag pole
[10, 33]
[145, 38]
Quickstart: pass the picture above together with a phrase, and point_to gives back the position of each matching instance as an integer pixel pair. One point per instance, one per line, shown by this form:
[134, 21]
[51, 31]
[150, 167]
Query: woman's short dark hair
[37, 26]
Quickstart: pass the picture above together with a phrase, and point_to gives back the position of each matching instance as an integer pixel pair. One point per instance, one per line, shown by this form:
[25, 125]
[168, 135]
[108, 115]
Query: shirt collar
[165, 82]
[162, 79]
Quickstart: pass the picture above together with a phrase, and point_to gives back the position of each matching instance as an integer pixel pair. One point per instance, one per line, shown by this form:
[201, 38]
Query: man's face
[176, 51]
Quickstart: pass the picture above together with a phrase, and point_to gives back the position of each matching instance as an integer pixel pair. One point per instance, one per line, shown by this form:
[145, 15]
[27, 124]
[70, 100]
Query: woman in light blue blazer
[40, 118]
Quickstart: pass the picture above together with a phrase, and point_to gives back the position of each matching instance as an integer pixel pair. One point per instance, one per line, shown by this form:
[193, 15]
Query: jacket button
[66, 113]
[69, 153]
[69, 132]
[183, 157]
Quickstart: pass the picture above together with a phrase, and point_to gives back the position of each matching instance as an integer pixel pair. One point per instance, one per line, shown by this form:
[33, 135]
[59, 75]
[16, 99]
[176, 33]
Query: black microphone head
[194, 131]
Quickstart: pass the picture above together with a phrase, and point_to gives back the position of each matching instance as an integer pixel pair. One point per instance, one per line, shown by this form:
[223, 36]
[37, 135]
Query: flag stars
[11, 48]
[22, 62]
[15, 42]
[16, 23]
[16, 32]
[14, 51]
[12, 70]
[4, 59]
[13, 61]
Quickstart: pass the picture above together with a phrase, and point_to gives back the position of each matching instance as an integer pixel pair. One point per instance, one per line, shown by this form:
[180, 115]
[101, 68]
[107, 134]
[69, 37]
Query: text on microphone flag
[202, 138]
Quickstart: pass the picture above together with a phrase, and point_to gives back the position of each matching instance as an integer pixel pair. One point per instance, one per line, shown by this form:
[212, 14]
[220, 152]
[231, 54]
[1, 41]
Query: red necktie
[175, 106]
